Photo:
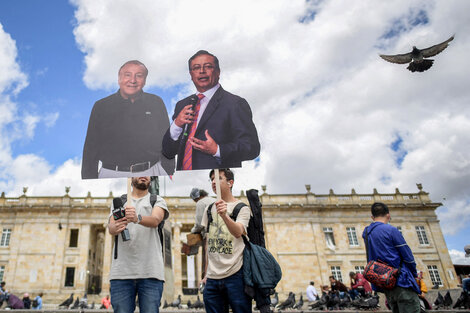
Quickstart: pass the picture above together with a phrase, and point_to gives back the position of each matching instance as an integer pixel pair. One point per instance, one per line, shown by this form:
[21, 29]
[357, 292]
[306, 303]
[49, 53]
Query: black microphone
[193, 101]
[119, 212]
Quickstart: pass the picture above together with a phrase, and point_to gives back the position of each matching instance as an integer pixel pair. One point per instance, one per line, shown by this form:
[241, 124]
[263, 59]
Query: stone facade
[59, 245]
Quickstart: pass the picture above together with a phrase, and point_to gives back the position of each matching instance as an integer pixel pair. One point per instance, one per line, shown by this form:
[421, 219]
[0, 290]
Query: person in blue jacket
[37, 302]
[387, 244]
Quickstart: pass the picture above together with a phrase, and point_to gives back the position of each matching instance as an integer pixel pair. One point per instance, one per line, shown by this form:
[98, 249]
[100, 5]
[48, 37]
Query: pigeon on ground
[288, 303]
[417, 57]
[447, 300]
[83, 304]
[165, 304]
[275, 300]
[299, 303]
[198, 304]
[189, 304]
[67, 302]
[439, 301]
[176, 303]
[463, 302]
[345, 302]
[76, 304]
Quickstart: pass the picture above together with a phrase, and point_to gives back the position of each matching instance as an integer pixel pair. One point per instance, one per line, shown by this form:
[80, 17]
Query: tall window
[352, 236]
[336, 273]
[2, 272]
[6, 233]
[423, 239]
[69, 276]
[434, 274]
[330, 239]
[73, 238]
[359, 269]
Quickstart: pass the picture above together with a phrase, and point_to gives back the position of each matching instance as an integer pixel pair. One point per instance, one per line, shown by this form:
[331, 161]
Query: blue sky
[329, 111]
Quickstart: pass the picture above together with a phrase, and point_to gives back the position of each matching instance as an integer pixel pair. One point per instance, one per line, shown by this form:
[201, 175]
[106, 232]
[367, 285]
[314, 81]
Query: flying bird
[418, 57]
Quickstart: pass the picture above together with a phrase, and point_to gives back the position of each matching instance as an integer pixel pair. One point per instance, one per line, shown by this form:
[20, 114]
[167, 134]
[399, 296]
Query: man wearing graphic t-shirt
[224, 246]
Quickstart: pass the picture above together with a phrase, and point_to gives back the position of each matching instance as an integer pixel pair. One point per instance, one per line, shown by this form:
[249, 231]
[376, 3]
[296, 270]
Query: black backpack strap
[116, 238]
[367, 244]
[153, 200]
[236, 210]
[209, 216]
[233, 216]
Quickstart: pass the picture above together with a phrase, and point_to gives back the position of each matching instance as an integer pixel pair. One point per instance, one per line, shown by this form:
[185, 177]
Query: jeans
[466, 284]
[353, 293]
[220, 293]
[124, 291]
[403, 300]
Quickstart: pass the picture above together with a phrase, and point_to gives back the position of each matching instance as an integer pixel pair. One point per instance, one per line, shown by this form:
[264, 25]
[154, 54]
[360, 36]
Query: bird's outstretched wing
[432, 51]
[398, 58]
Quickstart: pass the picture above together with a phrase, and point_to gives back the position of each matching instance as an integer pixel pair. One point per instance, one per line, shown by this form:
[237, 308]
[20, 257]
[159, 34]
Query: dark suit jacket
[228, 119]
[123, 133]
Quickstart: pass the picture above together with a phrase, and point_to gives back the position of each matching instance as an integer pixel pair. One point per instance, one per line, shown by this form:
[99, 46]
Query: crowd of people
[11, 301]
[137, 269]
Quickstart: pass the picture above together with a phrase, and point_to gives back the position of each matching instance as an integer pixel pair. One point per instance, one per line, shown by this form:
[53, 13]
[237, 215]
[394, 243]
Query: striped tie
[188, 149]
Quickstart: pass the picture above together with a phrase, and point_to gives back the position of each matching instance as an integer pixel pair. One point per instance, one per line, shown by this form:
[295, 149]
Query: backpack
[380, 273]
[35, 303]
[255, 229]
[153, 200]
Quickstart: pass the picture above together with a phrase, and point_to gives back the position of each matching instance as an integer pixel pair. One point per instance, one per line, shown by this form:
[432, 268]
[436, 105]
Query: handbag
[380, 273]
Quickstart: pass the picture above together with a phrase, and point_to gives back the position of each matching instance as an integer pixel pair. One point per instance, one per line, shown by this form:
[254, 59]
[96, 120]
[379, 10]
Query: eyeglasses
[205, 67]
[130, 75]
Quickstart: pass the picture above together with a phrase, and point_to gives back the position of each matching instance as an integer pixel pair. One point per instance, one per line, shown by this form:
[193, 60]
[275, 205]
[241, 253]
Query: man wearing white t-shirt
[224, 250]
[312, 294]
[137, 267]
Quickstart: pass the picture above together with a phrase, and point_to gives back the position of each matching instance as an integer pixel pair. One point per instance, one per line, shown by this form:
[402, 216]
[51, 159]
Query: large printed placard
[213, 129]
[126, 129]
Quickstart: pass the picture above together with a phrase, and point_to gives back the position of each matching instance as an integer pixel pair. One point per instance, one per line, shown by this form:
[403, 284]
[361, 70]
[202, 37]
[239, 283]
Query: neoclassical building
[59, 244]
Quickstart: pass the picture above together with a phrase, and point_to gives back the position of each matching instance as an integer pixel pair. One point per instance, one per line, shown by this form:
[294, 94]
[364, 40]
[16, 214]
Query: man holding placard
[125, 131]
[214, 128]
[224, 283]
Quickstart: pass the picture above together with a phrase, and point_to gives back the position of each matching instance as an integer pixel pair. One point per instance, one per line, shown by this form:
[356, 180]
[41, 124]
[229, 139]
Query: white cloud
[11, 79]
[327, 108]
[50, 119]
[16, 125]
[35, 173]
[458, 257]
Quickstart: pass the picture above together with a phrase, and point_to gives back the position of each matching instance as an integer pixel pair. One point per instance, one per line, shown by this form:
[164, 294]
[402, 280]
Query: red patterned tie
[188, 149]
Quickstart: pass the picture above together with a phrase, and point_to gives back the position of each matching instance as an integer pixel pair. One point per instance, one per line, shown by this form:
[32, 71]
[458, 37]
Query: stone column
[82, 267]
[107, 259]
[177, 258]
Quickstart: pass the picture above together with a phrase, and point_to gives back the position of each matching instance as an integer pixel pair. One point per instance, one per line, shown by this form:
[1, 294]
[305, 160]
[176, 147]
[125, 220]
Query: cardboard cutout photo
[126, 129]
[214, 128]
